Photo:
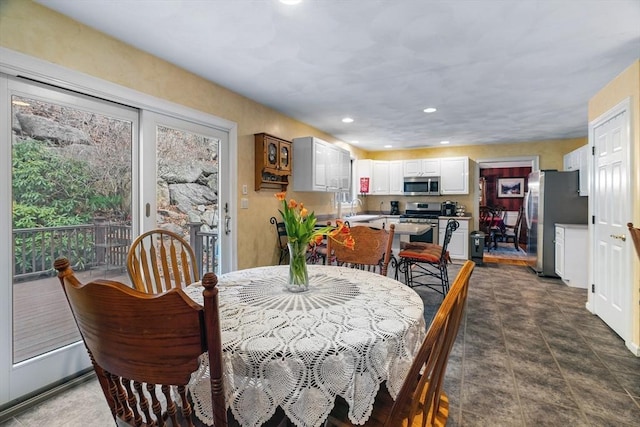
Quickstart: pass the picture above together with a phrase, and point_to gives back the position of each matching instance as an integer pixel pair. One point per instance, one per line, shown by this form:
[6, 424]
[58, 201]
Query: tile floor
[528, 354]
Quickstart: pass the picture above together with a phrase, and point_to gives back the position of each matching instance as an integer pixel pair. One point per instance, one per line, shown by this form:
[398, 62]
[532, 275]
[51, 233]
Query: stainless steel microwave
[422, 186]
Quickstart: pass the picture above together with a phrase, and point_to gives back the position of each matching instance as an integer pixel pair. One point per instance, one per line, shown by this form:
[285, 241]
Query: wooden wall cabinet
[274, 159]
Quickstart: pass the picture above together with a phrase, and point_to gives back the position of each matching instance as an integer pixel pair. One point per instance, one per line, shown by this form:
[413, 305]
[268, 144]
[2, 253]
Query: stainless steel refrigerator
[552, 197]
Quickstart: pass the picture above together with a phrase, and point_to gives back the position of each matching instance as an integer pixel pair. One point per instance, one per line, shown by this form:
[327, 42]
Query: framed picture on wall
[510, 187]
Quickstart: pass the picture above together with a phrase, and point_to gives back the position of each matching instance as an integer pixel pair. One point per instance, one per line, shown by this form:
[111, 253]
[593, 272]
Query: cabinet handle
[619, 236]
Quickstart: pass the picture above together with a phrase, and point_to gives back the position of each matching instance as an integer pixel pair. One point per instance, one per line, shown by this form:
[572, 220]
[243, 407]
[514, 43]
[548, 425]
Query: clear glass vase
[298, 275]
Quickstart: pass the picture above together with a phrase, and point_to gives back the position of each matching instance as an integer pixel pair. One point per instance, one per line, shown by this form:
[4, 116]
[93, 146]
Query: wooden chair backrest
[485, 214]
[635, 236]
[372, 250]
[159, 260]
[420, 392]
[138, 342]
[499, 211]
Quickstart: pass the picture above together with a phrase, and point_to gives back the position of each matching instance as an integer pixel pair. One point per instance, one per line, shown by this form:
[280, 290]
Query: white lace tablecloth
[349, 333]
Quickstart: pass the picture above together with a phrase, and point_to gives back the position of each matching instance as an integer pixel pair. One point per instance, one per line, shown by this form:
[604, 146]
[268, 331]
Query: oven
[425, 213]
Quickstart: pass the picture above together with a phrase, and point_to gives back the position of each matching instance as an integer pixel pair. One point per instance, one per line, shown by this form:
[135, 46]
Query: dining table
[349, 334]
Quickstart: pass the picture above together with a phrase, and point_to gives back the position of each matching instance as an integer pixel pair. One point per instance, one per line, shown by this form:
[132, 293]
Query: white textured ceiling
[497, 70]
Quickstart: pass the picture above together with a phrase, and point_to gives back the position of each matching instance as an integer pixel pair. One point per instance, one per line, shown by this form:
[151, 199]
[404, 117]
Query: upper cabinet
[380, 182]
[396, 181]
[421, 167]
[578, 159]
[273, 161]
[320, 166]
[385, 177]
[364, 168]
[454, 175]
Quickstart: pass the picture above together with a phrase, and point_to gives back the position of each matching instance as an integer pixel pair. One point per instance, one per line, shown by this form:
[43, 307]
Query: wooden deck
[42, 320]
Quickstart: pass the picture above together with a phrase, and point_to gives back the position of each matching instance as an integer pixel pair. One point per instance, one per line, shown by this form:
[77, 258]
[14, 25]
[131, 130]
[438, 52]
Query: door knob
[619, 236]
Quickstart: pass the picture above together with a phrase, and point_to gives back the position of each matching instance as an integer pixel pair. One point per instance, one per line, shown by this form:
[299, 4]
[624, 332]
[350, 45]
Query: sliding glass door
[81, 177]
[181, 185]
[68, 159]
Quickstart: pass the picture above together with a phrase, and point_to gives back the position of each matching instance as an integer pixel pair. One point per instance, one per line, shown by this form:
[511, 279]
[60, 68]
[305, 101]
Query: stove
[421, 212]
[424, 213]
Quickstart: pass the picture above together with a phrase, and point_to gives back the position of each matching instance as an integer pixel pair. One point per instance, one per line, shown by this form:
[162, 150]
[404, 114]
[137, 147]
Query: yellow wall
[34, 30]
[627, 85]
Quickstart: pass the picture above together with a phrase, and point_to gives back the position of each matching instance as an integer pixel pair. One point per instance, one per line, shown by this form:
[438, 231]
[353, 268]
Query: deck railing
[205, 246]
[103, 245]
[89, 246]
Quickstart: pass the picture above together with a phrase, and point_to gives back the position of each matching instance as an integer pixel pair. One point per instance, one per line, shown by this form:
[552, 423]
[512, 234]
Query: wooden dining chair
[426, 264]
[159, 260]
[512, 233]
[422, 400]
[142, 346]
[372, 251]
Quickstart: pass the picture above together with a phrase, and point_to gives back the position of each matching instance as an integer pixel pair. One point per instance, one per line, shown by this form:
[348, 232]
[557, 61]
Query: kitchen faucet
[353, 203]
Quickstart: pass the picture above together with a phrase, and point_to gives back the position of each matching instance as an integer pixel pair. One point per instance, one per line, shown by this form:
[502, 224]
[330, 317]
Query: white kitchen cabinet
[571, 254]
[317, 165]
[570, 161]
[380, 172]
[459, 244]
[396, 181]
[578, 160]
[333, 167]
[363, 170]
[344, 173]
[559, 255]
[454, 175]
[421, 167]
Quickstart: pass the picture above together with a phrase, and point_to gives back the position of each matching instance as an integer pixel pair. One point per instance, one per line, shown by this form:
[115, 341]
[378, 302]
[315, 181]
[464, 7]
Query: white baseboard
[635, 348]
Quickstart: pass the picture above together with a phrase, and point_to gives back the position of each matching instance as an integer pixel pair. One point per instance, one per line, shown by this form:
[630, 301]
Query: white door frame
[502, 162]
[21, 65]
[623, 106]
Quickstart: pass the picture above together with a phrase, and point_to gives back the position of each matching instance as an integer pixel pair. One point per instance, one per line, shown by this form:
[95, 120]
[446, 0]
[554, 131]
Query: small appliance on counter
[449, 208]
[395, 207]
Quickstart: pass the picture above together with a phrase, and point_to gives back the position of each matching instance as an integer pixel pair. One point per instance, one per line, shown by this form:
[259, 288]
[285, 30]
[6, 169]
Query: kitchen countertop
[458, 218]
[407, 228]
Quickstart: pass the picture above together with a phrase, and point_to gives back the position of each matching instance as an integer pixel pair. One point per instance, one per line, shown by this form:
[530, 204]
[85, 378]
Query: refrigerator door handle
[527, 196]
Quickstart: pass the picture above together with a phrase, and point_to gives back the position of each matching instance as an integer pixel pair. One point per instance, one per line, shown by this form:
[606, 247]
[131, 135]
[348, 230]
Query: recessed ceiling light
[347, 120]
[430, 110]
[290, 2]
[355, 142]
[388, 146]
[444, 142]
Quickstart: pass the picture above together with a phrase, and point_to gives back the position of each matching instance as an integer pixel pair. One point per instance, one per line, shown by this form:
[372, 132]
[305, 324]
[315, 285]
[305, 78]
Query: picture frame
[510, 187]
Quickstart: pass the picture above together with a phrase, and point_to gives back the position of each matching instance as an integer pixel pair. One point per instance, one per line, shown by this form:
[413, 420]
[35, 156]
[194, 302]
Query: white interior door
[611, 255]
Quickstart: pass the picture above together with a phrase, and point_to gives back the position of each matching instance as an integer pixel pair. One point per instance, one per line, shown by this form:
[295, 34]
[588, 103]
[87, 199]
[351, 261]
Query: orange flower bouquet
[301, 233]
